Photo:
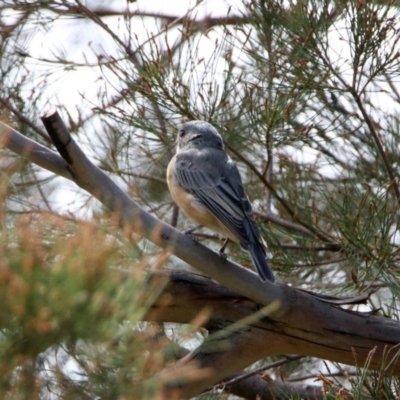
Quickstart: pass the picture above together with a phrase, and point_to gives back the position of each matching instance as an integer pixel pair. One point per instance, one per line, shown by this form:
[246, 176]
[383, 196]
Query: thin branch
[327, 247]
[315, 376]
[171, 20]
[321, 263]
[24, 120]
[381, 150]
[135, 175]
[270, 217]
[130, 52]
[256, 371]
[352, 90]
[249, 385]
[33, 151]
[284, 203]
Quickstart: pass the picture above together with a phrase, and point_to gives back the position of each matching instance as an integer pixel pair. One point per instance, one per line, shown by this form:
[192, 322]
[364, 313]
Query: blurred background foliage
[306, 96]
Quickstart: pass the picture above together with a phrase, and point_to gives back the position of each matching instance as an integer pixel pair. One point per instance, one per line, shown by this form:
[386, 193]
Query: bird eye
[182, 133]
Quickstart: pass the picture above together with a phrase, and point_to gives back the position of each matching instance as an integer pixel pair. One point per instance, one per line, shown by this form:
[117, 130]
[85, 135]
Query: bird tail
[258, 256]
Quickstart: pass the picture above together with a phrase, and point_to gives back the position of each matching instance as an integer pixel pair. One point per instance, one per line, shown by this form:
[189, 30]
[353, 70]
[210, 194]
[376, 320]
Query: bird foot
[190, 231]
[223, 256]
[193, 237]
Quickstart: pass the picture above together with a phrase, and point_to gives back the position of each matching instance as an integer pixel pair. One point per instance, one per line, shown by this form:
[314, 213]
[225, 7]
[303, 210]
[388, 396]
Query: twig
[315, 376]
[131, 53]
[352, 90]
[24, 120]
[327, 247]
[33, 151]
[205, 23]
[257, 371]
[284, 203]
[381, 150]
[269, 217]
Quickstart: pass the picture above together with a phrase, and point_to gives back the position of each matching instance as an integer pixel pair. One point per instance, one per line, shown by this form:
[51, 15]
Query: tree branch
[203, 24]
[187, 295]
[250, 385]
[270, 217]
[6, 103]
[33, 151]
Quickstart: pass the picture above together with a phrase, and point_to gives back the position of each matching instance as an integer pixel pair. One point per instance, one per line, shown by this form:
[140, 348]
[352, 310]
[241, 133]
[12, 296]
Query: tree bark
[344, 336]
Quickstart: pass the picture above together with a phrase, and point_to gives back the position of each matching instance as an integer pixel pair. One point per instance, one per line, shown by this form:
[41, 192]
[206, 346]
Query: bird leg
[191, 230]
[222, 249]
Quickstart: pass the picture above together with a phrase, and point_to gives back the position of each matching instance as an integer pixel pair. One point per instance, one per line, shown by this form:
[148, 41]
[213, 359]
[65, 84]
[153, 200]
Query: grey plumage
[203, 169]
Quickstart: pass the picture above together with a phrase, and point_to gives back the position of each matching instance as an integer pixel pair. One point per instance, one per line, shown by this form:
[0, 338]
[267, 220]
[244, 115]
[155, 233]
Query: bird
[206, 185]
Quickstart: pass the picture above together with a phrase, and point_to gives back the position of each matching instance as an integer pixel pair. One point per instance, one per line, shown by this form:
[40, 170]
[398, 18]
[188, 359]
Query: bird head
[199, 134]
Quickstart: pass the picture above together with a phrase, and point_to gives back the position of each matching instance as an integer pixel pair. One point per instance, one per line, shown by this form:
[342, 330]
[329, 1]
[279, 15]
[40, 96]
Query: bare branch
[270, 217]
[33, 151]
[240, 377]
[171, 20]
[23, 119]
[350, 341]
[251, 385]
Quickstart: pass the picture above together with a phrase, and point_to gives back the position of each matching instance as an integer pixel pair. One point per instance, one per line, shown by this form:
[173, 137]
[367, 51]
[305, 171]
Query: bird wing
[213, 178]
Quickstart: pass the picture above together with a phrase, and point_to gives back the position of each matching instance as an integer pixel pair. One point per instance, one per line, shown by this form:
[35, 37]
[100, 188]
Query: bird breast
[192, 206]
